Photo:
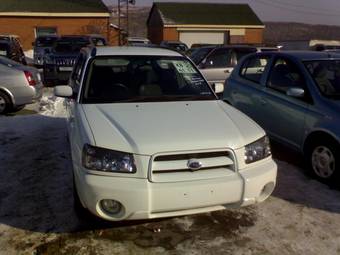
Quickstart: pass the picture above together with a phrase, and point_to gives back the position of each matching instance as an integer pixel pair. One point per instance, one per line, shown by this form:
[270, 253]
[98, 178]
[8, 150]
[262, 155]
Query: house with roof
[208, 23]
[31, 18]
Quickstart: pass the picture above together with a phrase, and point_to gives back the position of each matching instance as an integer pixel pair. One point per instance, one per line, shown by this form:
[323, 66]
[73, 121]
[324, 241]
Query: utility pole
[123, 19]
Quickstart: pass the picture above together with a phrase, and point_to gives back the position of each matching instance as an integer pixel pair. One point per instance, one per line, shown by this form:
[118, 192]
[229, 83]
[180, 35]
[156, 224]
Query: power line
[284, 6]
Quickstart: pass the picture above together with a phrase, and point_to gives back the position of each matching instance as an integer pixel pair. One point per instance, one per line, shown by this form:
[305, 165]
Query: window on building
[43, 31]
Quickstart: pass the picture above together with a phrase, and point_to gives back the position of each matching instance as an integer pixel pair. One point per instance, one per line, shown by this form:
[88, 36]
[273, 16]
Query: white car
[150, 139]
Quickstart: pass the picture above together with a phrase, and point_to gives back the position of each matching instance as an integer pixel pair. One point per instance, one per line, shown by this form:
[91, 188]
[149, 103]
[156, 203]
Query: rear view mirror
[63, 91]
[218, 88]
[296, 92]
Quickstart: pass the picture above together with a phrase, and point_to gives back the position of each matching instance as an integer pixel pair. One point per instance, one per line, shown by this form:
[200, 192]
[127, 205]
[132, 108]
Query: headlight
[257, 150]
[105, 160]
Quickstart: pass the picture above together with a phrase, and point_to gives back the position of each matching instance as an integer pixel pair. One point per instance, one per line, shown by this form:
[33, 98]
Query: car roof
[134, 51]
[305, 55]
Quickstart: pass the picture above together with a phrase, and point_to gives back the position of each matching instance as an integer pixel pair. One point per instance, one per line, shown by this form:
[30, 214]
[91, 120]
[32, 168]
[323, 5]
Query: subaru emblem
[194, 165]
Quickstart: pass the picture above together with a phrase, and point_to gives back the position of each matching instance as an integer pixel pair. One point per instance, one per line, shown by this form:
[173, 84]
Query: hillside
[274, 32]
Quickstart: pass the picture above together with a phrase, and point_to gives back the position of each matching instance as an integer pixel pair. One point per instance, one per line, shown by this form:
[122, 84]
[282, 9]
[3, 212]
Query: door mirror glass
[218, 87]
[296, 92]
[63, 91]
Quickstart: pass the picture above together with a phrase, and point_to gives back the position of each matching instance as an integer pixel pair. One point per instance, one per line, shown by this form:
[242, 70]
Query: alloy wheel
[323, 162]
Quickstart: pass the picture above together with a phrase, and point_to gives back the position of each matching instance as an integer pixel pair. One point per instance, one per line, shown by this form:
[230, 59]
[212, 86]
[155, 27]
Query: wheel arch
[318, 134]
[8, 93]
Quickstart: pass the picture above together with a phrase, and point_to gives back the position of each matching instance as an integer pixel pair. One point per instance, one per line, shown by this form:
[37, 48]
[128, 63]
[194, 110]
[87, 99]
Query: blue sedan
[295, 97]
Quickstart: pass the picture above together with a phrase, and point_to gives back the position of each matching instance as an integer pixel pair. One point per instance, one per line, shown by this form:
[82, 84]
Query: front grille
[65, 62]
[175, 167]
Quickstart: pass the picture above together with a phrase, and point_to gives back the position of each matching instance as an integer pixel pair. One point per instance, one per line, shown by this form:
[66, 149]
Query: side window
[253, 68]
[220, 58]
[78, 68]
[284, 75]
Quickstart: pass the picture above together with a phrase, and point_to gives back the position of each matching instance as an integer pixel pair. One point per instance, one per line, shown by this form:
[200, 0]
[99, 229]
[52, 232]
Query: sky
[305, 11]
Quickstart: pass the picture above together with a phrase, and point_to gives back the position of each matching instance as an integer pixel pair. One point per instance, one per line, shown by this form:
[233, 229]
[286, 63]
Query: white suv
[150, 139]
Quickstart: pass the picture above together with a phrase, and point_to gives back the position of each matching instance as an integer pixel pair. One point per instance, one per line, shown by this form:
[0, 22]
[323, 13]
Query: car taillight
[30, 78]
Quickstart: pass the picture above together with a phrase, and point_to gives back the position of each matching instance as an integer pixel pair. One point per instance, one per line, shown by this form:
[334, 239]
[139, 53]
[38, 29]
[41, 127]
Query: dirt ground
[37, 215]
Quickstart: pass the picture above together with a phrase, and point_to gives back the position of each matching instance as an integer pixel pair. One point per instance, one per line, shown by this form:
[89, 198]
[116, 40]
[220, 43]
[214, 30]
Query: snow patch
[51, 105]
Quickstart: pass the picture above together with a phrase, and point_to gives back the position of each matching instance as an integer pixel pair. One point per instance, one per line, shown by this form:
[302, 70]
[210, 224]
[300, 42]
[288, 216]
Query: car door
[245, 88]
[218, 65]
[284, 114]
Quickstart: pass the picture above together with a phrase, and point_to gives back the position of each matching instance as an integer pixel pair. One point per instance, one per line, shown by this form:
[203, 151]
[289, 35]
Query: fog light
[266, 191]
[111, 206]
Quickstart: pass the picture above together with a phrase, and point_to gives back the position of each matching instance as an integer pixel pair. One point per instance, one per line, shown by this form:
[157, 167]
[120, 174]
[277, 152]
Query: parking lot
[37, 214]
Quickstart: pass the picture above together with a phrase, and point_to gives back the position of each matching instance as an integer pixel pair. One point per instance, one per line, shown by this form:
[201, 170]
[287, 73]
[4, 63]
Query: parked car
[137, 41]
[10, 47]
[19, 85]
[97, 40]
[150, 139]
[295, 97]
[42, 45]
[59, 62]
[217, 63]
[175, 45]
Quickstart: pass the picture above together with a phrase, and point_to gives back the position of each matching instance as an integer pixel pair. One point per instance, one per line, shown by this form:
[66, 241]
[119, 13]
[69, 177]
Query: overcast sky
[306, 11]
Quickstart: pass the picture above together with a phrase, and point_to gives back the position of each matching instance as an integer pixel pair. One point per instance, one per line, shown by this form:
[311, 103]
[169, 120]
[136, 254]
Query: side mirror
[295, 92]
[218, 88]
[202, 65]
[63, 91]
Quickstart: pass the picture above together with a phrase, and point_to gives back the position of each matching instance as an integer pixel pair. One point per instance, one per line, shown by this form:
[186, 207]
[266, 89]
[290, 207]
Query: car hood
[150, 128]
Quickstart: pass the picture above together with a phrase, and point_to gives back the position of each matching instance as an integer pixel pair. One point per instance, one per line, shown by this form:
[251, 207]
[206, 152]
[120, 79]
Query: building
[31, 18]
[204, 23]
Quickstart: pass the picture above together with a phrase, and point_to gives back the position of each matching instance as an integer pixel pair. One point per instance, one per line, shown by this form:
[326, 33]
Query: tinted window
[70, 45]
[253, 68]
[45, 41]
[326, 74]
[241, 52]
[199, 54]
[4, 49]
[284, 75]
[98, 41]
[144, 79]
[78, 68]
[220, 58]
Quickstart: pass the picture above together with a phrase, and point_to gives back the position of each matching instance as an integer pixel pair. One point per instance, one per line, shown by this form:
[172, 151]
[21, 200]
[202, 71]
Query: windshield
[199, 54]
[45, 41]
[70, 45]
[4, 47]
[144, 79]
[326, 74]
[178, 46]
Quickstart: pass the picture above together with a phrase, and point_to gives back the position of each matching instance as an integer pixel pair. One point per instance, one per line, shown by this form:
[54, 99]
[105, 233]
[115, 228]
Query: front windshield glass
[326, 74]
[199, 54]
[45, 41]
[144, 79]
[72, 45]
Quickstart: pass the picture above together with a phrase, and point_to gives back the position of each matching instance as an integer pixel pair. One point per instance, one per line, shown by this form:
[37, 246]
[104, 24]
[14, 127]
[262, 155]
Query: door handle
[227, 71]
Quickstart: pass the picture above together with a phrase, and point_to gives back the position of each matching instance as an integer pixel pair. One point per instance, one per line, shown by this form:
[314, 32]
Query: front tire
[323, 157]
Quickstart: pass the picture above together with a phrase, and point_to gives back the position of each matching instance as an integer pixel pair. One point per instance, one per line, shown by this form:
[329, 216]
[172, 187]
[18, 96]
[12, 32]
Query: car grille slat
[175, 167]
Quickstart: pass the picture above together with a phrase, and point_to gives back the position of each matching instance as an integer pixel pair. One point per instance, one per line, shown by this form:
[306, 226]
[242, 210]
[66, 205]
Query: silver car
[19, 85]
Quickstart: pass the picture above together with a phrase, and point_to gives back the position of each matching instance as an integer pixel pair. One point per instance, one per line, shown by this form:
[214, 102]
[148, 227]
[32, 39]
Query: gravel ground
[37, 215]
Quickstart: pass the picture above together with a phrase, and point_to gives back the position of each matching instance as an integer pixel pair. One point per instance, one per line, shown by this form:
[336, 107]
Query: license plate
[66, 68]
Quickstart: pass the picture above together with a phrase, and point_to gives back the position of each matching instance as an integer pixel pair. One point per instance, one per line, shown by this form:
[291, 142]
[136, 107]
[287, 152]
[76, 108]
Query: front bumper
[142, 199]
